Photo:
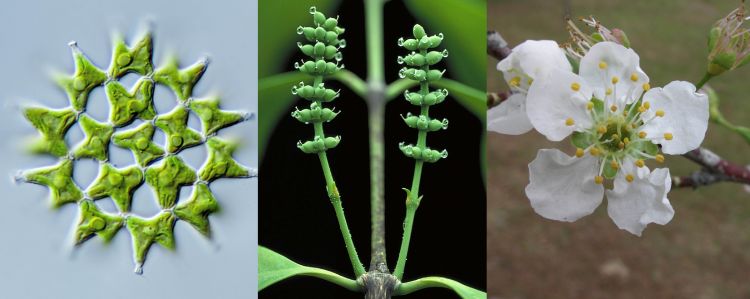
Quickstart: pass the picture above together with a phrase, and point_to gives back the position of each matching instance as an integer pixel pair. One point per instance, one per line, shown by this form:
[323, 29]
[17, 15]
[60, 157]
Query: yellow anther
[646, 86]
[615, 80]
[516, 81]
[601, 129]
[660, 113]
[613, 108]
[634, 125]
[594, 151]
[647, 105]
[634, 77]
[626, 140]
[575, 86]
[642, 134]
[641, 109]
[639, 163]
[668, 136]
[598, 179]
[579, 152]
[614, 165]
[602, 65]
[621, 145]
[615, 137]
[608, 91]
[659, 158]
[569, 122]
[629, 178]
[589, 105]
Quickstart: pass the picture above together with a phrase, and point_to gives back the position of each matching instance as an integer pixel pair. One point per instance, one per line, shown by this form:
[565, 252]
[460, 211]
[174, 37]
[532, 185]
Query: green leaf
[274, 267]
[472, 99]
[581, 140]
[274, 99]
[464, 23]
[440, 282]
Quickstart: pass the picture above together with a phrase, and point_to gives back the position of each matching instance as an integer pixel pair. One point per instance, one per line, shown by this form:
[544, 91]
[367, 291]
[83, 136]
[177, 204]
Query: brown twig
[498, 48]
[715, 169]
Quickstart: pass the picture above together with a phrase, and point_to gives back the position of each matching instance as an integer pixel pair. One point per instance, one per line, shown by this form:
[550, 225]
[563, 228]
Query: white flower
[529, 60]
[615, 126]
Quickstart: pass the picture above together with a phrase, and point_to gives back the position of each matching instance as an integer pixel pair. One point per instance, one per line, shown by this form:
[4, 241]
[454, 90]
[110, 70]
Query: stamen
[634, 77]
[598, 179]
[613, 108]
[642, 109]
[668, 136]
[614, 165]
[579, 152]
[608, 91]
[594, 151]
[602, 65]
[569, 122]
[642, 134]
[629, 178]
[660, 113]
[516, 81]
[575, 86]
[589, 105]
[601, 129]
[626, 140]
[647, 105]
[615, 80]
[621, 145]
[639, 163]
[659, 158]
[646, 86]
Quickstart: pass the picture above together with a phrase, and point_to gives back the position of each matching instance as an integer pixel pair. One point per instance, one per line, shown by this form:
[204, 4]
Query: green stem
[335, 197]
[413, 198]
[703, 80]
[376, 114]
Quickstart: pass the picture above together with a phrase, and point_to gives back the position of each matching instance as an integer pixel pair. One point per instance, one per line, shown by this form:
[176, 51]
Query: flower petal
[552, 100]
[611, 66]
[562, 187]
[632, 206]
[685, 117]
[531, 59]
[510, 116]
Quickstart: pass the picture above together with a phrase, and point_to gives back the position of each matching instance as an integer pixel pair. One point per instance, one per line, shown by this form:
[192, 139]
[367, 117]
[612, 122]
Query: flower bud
[728, 43]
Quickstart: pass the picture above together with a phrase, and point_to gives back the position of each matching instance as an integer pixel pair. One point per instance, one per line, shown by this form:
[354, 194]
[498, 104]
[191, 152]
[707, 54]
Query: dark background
[297, 219]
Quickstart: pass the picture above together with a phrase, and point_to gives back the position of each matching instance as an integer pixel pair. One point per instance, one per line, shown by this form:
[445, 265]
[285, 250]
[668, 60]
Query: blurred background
[704, 252]
[296, 217]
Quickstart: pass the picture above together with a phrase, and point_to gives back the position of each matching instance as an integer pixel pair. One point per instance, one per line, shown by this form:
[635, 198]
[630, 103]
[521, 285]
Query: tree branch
[715, 169]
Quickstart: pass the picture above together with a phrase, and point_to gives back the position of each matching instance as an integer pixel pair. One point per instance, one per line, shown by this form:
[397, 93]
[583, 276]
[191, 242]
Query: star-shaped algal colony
[132, 124]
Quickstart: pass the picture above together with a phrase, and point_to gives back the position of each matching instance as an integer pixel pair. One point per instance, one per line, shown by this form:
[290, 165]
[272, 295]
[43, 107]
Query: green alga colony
[160, 168]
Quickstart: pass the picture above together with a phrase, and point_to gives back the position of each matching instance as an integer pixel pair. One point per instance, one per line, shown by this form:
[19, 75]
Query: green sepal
[212, 118]
[598, 105]
[118, 184]
[179, 135]
[92, 220]
[59, 179]
[126, 105]
[220, 163]
[608, 171]
[167, 178]
[137, 59]
[52, 125]
[722, 62]
[648, 148]
[196, 209]
[85, 78]
[582, 140]
[180, 81]
[713, 38]
[145, 232]
[138, 140]
[96, 143]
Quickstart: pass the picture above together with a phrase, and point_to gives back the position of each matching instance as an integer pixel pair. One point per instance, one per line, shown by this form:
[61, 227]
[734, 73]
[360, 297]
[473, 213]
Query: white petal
[632, 206]
[532, 59]
[685, 117]
[510, 116]
[562, 187]
[622, 63]
[552, 100]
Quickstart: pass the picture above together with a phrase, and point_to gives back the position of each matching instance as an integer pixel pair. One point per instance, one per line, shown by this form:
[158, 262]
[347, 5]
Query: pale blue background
[36, 259]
